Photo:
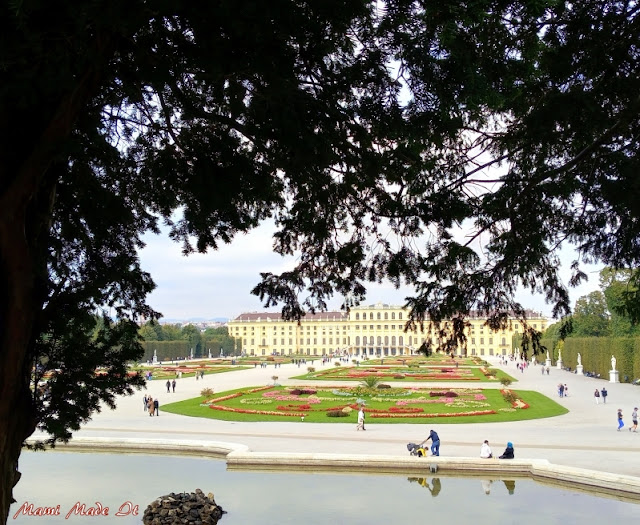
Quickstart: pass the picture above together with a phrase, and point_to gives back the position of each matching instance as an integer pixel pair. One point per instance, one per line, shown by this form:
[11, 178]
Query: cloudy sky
[218, 284]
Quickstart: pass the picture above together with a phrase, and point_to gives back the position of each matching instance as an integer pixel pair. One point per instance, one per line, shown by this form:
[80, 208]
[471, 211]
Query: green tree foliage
[620, 292]
[218, 339]
[171, 332]
[192, 335]
[591, 316]
[152, 331]
[369, 132]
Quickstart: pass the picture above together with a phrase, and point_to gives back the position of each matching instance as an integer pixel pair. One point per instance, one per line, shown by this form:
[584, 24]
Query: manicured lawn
[396, 405]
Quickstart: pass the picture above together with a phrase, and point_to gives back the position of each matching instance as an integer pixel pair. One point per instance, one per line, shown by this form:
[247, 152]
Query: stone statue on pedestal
[613, 362]
[579, 358]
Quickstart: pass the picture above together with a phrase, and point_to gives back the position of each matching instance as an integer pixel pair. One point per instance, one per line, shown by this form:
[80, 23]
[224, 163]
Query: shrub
[399, 376]
[336, 413]
[206, 392]
[490, 372]
[509, 396]
[311, 369]
[337, 363]
[505, 381]
[302, 391]
[271, 358]
[450, 394]
[383, 385]
[370, 381]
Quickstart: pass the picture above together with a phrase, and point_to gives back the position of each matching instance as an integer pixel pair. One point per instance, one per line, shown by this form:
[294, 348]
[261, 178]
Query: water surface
[265, 498]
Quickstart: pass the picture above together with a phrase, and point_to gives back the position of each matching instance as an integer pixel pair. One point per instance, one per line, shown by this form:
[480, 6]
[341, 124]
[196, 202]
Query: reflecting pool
[122, 481]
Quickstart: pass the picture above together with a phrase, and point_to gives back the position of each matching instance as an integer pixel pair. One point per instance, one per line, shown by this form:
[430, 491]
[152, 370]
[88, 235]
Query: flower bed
[415, 402]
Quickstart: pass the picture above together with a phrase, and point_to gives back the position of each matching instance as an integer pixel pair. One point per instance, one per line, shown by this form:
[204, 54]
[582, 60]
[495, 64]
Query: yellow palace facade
[366, 331]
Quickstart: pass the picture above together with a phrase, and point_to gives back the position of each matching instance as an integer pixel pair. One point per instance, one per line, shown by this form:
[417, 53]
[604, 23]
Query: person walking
[566, 390]
[168, 386]
[634, 420]
[620, 422]
[596, 396]
[144, 402]
[604, 395]
[150, 405]
[435, 442]
[156, 405]
[361, 416]
[173, 384]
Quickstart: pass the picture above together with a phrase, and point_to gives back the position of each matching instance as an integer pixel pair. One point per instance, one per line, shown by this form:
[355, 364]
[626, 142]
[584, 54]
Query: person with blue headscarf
[508, 452]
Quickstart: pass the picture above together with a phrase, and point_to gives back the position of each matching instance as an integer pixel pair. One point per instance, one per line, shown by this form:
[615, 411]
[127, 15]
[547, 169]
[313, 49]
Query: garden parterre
[388, 405]
[407, 374]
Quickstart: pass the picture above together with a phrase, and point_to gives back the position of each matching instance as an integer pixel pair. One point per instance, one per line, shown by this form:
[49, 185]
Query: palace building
[375, 330]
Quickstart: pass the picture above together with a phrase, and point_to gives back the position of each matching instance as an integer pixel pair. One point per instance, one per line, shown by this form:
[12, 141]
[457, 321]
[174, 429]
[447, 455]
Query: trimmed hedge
[596, 355]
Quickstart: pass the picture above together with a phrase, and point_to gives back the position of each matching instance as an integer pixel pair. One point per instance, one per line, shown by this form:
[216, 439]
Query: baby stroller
[416, 450]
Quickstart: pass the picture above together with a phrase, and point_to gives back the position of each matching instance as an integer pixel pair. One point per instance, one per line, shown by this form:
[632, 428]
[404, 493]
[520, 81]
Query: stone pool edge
[239, 457]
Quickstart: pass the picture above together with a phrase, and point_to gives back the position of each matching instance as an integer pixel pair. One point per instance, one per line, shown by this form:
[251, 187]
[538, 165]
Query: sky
[218, 284]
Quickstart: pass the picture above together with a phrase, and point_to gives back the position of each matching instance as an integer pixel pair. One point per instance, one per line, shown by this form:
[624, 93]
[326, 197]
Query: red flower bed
[405, 410]
[294, 407]
[261, 412]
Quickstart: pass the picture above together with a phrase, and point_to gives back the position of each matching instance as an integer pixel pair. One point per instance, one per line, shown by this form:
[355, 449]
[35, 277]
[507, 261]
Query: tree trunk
[27, 185]
[17, 313]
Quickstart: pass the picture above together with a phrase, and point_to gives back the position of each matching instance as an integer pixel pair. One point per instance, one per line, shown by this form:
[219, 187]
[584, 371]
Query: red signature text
[78, 509]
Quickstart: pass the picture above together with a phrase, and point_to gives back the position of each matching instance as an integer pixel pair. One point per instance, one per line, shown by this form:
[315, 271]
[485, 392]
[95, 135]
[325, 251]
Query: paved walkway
[586, 437]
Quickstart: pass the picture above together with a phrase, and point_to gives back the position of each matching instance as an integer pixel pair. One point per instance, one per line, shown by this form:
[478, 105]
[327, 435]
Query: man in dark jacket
[435, 443]
[155, 406]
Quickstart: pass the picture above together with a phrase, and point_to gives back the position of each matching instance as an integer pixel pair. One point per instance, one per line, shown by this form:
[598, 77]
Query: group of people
[563, 390]
[486, 453]
[598, 394]
[634, 420]
[171, 384]
[151, 405]
[485, 449]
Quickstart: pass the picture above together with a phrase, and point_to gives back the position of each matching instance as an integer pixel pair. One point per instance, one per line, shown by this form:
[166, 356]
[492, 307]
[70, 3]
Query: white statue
[559, 355]
[613, 362]
[579, 359]
[548, 355]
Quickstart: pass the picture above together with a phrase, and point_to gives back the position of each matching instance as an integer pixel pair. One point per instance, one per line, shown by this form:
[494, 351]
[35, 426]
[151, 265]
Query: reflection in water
[263, 498]
[434, 488]
[510, 484]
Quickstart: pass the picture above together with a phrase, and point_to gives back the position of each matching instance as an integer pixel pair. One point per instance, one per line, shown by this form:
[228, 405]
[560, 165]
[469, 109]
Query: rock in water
[193, 508]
